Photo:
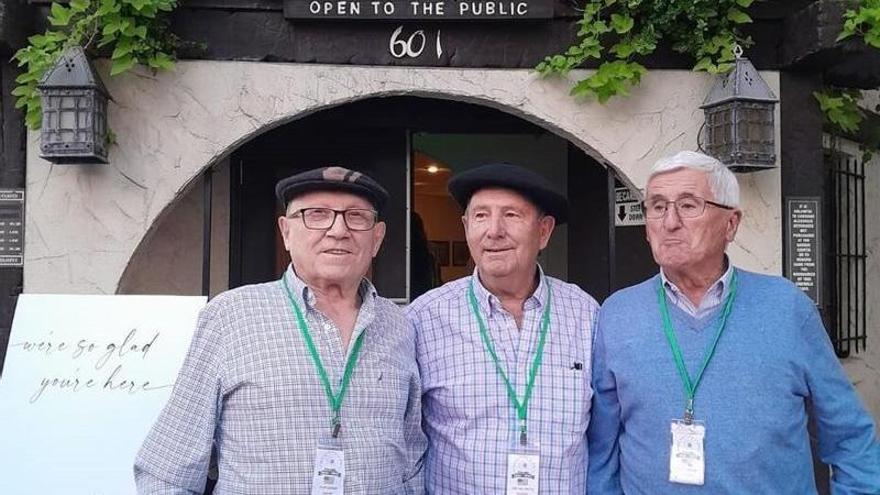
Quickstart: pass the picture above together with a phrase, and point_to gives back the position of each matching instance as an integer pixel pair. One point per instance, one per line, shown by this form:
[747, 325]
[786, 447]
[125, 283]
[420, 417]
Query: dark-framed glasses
[686, 207]
[356, 219]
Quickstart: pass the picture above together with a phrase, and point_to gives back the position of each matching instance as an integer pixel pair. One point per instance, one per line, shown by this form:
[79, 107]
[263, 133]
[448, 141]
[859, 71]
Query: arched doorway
[412, 145]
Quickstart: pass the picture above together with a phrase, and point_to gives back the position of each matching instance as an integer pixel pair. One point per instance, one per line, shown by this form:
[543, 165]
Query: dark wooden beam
[811, 46]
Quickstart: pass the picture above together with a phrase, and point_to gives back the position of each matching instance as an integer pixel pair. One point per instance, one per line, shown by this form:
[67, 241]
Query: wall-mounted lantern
[739, 128]
[74, 111]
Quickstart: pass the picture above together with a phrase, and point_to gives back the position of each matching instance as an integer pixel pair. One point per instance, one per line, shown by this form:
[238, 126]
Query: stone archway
[84, 223]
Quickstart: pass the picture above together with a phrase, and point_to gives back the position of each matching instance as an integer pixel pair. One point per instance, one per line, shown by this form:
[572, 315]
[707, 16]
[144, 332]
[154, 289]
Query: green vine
[863, 21]
[617, 32]
[132, 32]
[840, 106]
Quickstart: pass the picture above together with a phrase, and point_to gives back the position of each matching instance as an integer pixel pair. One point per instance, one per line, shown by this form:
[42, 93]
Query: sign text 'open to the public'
[418, 9]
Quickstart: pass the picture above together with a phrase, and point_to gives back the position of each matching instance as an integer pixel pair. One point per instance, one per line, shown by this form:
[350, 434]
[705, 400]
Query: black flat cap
[522, 180]
[332, 179]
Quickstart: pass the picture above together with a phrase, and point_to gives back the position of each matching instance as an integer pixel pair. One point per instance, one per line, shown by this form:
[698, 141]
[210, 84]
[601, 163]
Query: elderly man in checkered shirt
[305, 384]
[504, 354]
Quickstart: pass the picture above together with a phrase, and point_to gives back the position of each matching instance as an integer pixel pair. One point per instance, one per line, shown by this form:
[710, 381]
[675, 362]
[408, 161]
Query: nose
[338, 227]
[496, 226]
[671, 220]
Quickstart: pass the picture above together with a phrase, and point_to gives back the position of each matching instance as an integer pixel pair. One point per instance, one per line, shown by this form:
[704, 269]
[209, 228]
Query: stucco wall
[863, 368]
[84, 222]
[169, 261]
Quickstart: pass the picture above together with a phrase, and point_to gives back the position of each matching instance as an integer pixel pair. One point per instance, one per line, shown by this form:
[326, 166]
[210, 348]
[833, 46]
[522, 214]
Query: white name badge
[687, 462]
[522, 472]
[328, 477]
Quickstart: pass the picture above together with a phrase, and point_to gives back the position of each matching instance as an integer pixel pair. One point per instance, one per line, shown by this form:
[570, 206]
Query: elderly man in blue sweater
[702, 374]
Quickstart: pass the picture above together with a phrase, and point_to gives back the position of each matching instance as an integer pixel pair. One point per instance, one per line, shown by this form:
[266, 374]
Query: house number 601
[413, 46]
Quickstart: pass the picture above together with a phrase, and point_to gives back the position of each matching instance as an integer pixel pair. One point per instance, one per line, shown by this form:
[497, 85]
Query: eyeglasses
[686, 207]
[356, 219]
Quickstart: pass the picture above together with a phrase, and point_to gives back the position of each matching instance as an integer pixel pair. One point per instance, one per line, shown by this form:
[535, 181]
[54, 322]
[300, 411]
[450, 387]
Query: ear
[378, 236]
[732, 225]
[545, 228]
[284, 228]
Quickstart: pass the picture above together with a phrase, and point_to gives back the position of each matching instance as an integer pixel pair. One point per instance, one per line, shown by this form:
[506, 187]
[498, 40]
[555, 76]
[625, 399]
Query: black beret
[522, 180]
[332, 179]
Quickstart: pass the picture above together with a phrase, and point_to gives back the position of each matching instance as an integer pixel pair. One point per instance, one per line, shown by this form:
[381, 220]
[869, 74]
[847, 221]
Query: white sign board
[627, 208]
[84, 379]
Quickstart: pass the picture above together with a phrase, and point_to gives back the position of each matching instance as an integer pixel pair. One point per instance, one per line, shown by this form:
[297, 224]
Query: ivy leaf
[26, 77]
[705, 64]
[123, 48]
[22, 102]
[621, 23]
[106, 40]
[79, 5]
[60, 15]
[122, 64]
[161, 61]
[34, 118]
[738, 16]
[622, 49]
[873, 38]
[744, 3]
[38, 40]
[113, 25]
[844, 35]
[107, 7]
[22, 91]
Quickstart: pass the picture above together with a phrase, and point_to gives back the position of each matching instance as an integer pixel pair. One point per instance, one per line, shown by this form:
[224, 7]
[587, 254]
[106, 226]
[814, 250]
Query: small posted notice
[84, 379]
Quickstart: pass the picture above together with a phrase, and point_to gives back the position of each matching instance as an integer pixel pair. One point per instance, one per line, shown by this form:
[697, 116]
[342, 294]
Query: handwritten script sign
[84, 379]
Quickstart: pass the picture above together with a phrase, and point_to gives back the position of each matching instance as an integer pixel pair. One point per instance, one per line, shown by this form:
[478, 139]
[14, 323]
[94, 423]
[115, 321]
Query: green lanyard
[690, 387]
[335, 400]
[521, 407]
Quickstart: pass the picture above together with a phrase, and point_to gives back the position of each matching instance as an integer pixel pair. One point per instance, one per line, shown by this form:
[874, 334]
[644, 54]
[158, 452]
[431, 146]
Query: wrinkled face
[679, 243]
[337, 255]
[505, 231]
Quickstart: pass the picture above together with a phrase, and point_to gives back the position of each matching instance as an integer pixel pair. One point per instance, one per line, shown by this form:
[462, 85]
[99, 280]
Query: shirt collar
[305, 296]
[720, 286]
[489, 302]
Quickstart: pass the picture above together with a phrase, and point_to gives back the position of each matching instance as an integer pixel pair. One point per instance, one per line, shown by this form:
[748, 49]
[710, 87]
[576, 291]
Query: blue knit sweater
[772, 359]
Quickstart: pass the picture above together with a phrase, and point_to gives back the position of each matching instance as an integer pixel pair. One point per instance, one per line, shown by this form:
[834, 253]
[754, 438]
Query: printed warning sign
[627, 208]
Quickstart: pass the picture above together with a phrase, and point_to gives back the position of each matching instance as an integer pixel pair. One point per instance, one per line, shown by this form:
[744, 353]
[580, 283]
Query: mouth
[336, 252]
[496, 250]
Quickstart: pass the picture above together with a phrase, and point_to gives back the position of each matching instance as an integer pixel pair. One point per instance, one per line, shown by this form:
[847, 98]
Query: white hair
[722, 182]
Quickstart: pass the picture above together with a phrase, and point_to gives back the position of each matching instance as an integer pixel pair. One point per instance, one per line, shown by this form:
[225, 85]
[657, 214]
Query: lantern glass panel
[67, 119]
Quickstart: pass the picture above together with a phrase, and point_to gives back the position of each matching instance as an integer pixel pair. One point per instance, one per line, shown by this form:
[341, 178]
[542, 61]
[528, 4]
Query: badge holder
[687, 461]
[328, 477]
[523, 467]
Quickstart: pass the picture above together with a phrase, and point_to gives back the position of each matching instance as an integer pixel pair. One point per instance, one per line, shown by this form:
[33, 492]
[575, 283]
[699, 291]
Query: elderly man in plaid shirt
[305, 384]
[504, 354]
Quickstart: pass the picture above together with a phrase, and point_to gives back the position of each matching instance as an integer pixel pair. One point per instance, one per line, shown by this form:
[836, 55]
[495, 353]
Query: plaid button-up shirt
[468, 417]
[248, 386]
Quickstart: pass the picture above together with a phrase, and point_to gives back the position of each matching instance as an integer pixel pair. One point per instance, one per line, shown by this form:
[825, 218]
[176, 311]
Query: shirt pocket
[381, 397]
[566, 394]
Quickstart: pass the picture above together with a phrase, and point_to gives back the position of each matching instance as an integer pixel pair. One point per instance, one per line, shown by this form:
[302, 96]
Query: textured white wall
[83, 223]
[863, 368]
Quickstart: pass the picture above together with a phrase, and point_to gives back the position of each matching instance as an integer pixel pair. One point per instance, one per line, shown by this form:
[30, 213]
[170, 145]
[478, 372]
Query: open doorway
[413, 146]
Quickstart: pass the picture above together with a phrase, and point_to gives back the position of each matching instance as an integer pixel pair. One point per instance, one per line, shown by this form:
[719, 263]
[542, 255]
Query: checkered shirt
[468, 417]
[249, 387]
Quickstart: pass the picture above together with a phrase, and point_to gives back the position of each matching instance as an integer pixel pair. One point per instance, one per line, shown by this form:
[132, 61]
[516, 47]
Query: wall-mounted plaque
[804, 266]
[12, 227]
